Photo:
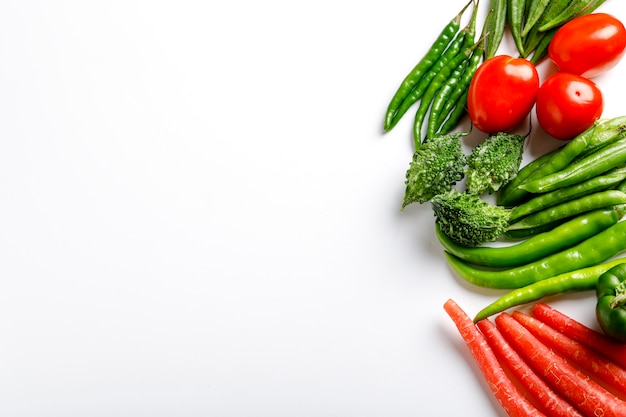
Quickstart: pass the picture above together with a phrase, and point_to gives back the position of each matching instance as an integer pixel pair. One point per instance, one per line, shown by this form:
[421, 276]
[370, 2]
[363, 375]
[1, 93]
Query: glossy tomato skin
[567, 105]
[502, 93]
[588, 45]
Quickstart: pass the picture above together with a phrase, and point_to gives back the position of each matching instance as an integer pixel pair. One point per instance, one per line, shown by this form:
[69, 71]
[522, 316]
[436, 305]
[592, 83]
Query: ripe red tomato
[502, 93]
[568, 104]
[588, 45]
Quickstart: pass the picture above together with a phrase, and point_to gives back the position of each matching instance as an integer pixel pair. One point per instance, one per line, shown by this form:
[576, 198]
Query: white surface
[200, 214]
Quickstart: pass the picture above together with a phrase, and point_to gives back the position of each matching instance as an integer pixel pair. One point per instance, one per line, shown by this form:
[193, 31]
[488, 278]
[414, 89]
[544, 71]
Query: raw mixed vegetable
[560, 217]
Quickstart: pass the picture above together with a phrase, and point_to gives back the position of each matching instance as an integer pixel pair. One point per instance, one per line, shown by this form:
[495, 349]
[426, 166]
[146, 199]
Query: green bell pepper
[611, 305]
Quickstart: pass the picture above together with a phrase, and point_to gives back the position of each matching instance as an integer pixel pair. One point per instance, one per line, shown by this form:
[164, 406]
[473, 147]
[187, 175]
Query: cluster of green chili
[440, 80]
[533, 23]
[567, 208]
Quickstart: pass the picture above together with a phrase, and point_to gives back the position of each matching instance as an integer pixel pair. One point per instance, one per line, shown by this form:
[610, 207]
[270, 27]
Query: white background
[199, 213]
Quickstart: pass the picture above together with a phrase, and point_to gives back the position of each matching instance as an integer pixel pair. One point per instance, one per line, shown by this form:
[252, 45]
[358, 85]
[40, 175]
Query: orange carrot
[577, 331]
[553, 404]
[585, 394]
[587, 359]
[501, 385]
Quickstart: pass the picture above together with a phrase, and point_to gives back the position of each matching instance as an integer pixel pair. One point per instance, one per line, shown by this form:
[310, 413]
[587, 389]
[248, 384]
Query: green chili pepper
[603, 160]
[571, 208]
[450, 71]
[449, 96]
[442, 96]
[410, 82]
[459, 89]
[611, 304]
[563, 236]
[599, 135]
[589, 252]
[459, 110]
[584, 279]
[540, 202]
[432, 89]
[520, 234]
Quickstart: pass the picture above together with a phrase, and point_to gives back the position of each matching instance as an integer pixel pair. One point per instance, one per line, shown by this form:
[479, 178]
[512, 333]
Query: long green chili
[543, 201]
[603, 160]
[584, 279]
[589, 252]
[597, 200]
[422, 67]
[563, 236]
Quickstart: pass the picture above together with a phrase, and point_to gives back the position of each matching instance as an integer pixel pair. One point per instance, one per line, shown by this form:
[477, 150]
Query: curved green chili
[589, 252]
[458, 90]
[597, 136]
[494, 27]
[452, 91]
[600, 199]
[463, 40]
[603, 160]
[459, 110]
[520, 234]
[451, 71]
[442, 96]
[543, 201]
[583, 279]
[422, 67]
[418, 91]
[538, 246]
[432, 89]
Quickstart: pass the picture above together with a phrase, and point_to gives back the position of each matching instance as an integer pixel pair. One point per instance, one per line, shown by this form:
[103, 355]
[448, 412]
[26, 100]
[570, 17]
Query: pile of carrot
[545, 363]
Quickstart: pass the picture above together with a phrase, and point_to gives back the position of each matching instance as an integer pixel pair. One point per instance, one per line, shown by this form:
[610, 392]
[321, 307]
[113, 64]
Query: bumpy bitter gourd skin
[494, 162]
[435, 168]
[468, 220]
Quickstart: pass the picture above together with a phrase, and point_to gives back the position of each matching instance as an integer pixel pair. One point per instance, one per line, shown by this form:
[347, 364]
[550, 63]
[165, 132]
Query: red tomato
[568, 104]
[588, 45]
[502, 93]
